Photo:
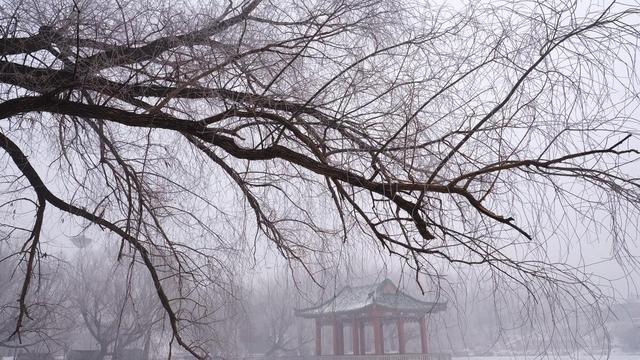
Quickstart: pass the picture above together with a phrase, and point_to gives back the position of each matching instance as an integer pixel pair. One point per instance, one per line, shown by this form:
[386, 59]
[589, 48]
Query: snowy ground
[532, 357]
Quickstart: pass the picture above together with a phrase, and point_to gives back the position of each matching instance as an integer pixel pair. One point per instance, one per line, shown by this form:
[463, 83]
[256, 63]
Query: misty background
[178, 178]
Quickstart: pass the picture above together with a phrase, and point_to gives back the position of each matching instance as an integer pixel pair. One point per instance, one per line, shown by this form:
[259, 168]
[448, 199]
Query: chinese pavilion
[372, 305]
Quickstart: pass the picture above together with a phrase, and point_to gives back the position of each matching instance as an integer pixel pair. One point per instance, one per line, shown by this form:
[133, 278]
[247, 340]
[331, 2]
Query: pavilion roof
[359, 298]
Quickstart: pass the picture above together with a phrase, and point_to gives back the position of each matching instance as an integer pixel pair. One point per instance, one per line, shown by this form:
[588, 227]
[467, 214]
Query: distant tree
[271, 327]
[114, 305]
[491, 134]
[45, 323]
[628, 338]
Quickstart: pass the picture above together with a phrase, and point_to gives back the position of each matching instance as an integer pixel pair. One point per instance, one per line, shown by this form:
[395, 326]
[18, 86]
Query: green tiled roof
[359, 298]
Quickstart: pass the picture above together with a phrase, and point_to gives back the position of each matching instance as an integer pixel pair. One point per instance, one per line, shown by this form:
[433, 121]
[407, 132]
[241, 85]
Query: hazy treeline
[88, 299]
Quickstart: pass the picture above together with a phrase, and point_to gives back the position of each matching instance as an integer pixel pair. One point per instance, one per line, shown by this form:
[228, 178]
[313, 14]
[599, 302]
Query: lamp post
[81, 241]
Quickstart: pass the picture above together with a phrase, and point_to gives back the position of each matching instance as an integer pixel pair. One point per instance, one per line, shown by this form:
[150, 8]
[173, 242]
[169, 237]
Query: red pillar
[423, 335]
[338, 338]
[363, 338]
[355, 337]
[318, 337]
[378, 336]
[401, 340]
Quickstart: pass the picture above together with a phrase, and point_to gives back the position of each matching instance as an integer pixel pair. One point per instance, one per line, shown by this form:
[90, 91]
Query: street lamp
[81, 241]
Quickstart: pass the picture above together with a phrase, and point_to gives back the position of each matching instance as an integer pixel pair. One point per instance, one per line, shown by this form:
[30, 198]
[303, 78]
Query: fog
[344, 179]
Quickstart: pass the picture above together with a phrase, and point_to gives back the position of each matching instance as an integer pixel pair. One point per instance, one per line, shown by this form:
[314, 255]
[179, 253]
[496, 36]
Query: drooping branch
[389, 190]
[22, 162]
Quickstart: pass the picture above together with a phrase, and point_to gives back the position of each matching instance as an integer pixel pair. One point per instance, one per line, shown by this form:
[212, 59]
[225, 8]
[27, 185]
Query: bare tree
[46, 324]
[277, 330]
[469, 135]
[115, 304]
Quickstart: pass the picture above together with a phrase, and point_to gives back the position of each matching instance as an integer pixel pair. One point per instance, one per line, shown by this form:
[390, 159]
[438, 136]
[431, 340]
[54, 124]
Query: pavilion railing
[430, 356]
